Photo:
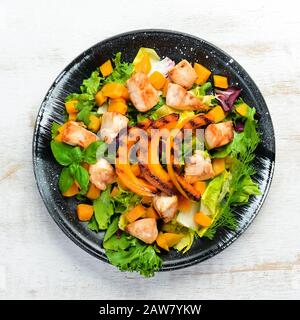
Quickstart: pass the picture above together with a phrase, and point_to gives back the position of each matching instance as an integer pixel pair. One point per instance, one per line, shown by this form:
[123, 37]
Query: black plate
[176, 46]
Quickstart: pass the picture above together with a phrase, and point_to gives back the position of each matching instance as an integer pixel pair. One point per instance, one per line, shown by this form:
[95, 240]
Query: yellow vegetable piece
[165, 88]
[142, 51]
[100, 98]
[202, 73]
[135, 168]
[135, 213]
[218, 165]
[220, 82]
[93, 192]
[172, 238]
[95, 123]
[106, 68]
[151, 213]
[202, 219]
[144, 65]
[114, 90]
[72, 116]
[161, 241]
[157, 80]
[217, 114]
[70, 106]
[200, 186]
[242, 109]
[114, 192]
[85, 212]
[184, 204]
[146, 200]
[58, 138]
[118, 105]
[72, 191]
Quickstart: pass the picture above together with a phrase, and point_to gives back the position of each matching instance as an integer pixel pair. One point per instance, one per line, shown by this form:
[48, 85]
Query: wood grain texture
[36, 259]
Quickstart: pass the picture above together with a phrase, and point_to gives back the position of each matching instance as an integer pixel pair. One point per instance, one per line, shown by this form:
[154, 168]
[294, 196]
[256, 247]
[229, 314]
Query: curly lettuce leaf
[136, 256]
[104, 209]
[122, 70]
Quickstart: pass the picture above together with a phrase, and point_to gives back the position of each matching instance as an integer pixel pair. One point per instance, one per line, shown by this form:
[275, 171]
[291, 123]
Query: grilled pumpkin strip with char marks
[198, 121]
[190, 191]
[167, 122]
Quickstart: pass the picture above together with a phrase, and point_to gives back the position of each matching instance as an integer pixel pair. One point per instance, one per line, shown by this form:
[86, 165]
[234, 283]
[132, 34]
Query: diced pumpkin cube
[93, 192]
[85, 212]
[165, 88]
[58, 138]
[172, 238]
[202, 219]
[144, 65]
[200, 186]
[184, 204]
[72, 116]
[146, 200]
[218, 165]
[118, 105]
[161, 241]
[100, 98]
[157, 79]
[114, 90]
[151, 213]
[217, 114]
[135, 213]
[72, 191]
[95, 123]
[106, 68]
[220, 81]
[70, 106]
[202, 73]
[114, 192]
[242, 109]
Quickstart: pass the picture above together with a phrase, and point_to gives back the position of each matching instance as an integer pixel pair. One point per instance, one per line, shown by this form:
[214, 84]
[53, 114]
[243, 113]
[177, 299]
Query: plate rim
[78, 240]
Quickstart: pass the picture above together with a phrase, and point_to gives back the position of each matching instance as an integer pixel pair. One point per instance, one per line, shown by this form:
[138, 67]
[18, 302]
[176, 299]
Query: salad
[158, 154]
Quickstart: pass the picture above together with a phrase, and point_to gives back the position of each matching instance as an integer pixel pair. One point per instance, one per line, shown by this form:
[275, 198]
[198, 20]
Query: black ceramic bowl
[177, 46]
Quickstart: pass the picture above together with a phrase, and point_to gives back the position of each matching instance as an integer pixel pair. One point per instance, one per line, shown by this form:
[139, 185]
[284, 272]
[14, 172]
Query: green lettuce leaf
[104, 209]
[121, 72]
[112, 229]
[129, 254]
[91, 85]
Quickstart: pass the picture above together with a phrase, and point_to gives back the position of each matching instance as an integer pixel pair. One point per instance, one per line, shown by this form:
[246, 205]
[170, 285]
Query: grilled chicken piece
[179, 98]
[112, 123]
[166, 206]
[75, 134]
[143, 229]
[198, 167]
[183, 74]
[219, 134]
[141, 93]
[102, 173]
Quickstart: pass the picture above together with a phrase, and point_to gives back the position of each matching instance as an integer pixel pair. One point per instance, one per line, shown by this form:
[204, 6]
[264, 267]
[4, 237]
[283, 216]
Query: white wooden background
[37, 40]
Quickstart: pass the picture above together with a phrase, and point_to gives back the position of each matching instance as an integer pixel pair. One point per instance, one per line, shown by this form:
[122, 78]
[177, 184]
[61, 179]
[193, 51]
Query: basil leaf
[103, 208]
[112, 229]
[65, 180]
[93, 225]
[76, 155]
[84, 115]
[62, 153]
[54, 129]
[93, 151]
[81, 175]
